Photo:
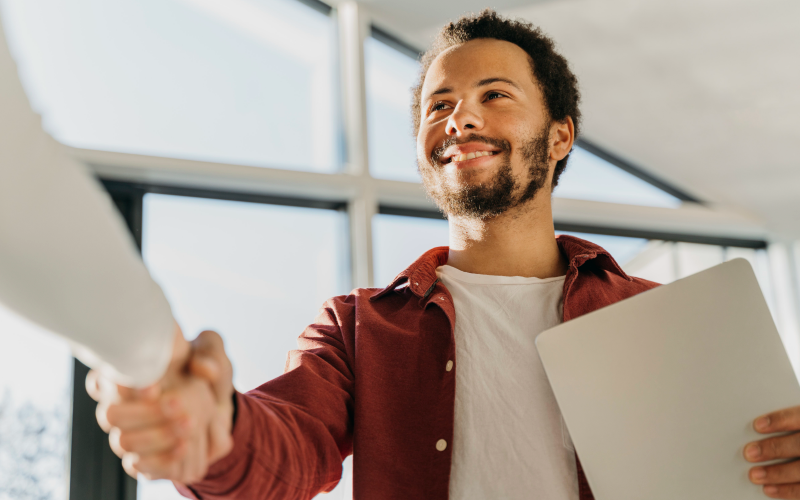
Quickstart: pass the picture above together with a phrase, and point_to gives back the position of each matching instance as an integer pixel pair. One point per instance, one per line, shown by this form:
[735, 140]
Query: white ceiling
[703, 93]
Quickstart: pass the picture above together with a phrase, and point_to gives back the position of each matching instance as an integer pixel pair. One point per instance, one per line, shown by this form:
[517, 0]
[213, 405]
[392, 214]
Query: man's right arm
[292, 433]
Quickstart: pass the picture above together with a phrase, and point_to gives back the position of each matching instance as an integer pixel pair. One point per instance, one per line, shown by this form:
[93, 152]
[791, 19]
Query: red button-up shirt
[370, 378]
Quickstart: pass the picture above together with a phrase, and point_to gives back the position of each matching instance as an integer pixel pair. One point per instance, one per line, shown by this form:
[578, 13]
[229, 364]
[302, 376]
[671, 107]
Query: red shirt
[369, 378]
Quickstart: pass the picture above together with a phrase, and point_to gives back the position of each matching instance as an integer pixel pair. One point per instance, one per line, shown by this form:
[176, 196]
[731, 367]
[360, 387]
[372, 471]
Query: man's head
[497, 88]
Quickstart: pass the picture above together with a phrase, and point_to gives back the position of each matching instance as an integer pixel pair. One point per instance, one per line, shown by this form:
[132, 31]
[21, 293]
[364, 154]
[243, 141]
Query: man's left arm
[779, 480]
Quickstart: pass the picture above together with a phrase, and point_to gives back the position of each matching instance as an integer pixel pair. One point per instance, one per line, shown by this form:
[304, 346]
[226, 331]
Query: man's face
[482, 146]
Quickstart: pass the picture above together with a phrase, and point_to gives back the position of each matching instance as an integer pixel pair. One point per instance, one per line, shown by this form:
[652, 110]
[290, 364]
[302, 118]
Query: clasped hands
[176, 428]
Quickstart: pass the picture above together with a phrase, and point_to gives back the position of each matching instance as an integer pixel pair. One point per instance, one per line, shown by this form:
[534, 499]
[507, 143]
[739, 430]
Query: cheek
[425, 143]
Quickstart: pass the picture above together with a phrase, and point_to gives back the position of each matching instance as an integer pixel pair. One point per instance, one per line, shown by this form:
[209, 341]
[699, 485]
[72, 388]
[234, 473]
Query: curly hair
[550, 70]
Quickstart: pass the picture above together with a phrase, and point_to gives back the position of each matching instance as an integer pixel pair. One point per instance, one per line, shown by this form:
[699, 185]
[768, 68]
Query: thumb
[209, 362]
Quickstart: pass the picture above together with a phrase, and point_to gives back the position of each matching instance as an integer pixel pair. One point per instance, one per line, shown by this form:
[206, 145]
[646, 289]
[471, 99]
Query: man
[434, 383]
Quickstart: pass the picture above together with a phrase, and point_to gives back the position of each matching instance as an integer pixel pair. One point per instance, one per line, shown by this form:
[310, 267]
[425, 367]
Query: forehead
[464, 64]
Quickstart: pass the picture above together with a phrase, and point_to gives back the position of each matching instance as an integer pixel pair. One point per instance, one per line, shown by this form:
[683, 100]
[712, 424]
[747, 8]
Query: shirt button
[441, 445]
[449, 365]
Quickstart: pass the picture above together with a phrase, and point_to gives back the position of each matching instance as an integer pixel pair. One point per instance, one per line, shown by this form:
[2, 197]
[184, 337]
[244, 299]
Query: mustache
[503, 145]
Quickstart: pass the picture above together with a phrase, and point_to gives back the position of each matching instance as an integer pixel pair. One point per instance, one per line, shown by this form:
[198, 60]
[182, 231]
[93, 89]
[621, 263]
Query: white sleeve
[67, 262]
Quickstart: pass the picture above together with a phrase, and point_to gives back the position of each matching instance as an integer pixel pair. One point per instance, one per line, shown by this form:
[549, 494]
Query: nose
[463, 120]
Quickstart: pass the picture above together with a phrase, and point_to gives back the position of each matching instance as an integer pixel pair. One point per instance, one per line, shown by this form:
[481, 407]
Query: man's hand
[780, 480]
[178, 427]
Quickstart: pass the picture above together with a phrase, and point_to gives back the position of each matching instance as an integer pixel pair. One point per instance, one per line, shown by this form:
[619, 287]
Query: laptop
[659, 391]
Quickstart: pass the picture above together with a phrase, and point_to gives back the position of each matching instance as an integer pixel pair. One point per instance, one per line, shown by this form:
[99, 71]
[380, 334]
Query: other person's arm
[67, 262]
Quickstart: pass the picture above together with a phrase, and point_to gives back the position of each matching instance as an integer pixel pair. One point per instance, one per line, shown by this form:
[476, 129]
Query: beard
[496, 196]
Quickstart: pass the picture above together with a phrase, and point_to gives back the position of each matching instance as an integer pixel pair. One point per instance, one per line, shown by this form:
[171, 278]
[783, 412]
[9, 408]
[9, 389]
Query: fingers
[165, 465]
[150, 440]
[101, 413]
[100, 388]
[787, 491]
[127, 464]
[779, 480]
[773, 448]
[132, 415]
[149, 393]
[186, 463]
[93, 384]
[776, 474]
[785, 420]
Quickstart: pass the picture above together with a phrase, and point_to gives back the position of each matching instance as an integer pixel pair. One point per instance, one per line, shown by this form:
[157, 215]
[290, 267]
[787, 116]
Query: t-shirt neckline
[488, 279]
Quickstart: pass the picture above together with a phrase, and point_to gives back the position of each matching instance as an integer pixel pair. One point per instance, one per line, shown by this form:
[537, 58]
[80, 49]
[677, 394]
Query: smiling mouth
[469, 156]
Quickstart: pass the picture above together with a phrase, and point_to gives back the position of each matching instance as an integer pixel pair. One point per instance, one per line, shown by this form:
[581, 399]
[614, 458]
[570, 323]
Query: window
[589, 177]
[35, 392]
[398, 241]
[242, 81]
[390, 75]
[255, 273]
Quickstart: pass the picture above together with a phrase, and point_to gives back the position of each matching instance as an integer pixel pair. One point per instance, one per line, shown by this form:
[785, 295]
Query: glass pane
[240, 81]
[656, 262]
[398, 241]
[588, 177]
[390, 75]
[255, 273]
[35, 411]
[621, 248]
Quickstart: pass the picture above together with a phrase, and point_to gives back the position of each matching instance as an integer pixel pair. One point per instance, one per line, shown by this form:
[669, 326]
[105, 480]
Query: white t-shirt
[66, 260]
[509, 440]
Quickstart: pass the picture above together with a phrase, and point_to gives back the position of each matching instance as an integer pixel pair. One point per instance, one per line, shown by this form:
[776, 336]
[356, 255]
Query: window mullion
[363, 205]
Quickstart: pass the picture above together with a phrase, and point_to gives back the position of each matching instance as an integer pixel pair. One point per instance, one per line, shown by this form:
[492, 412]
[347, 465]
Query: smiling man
[434, 383]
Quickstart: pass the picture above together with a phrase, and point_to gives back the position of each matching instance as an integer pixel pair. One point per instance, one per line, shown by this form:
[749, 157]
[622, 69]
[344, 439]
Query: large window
[255, 273]
[241, 81]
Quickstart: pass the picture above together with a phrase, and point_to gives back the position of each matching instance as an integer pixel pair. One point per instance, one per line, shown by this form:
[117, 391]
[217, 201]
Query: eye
[437, 106]
[493, 95]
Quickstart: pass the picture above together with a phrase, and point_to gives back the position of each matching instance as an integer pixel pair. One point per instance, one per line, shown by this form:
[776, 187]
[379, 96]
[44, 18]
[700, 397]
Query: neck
[520, 242]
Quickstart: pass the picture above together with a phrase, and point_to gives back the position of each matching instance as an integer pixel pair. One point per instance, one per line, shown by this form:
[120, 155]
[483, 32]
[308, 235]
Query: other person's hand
[179, 426]
[779, 480]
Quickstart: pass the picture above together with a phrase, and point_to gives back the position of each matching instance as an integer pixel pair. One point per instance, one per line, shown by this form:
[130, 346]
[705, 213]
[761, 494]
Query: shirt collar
[421, 275]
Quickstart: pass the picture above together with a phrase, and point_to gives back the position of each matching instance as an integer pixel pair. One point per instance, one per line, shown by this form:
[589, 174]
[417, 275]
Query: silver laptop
[659, 391]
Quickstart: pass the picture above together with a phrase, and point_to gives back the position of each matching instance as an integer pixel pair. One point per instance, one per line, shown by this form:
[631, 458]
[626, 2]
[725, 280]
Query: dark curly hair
[550, 70]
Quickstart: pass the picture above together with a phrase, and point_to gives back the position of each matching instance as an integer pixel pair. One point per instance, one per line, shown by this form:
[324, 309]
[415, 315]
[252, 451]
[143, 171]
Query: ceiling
[702, 93]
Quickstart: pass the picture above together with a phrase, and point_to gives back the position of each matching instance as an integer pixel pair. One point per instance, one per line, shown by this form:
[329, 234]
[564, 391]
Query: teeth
[470, 156]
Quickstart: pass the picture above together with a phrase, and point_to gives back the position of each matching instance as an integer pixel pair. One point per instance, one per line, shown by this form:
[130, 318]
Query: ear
[562, 136]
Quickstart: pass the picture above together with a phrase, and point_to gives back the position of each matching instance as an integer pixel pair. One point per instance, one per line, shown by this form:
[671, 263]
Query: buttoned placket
[440, 299]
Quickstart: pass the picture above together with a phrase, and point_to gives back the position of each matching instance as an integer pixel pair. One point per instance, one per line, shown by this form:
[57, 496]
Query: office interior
[261, 153]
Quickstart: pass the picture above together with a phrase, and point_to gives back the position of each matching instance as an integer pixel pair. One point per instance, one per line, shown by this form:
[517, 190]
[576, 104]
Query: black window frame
[95, 472]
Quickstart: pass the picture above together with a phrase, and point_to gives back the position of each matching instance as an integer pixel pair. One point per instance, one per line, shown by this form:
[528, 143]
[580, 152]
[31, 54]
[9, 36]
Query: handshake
[177, 427]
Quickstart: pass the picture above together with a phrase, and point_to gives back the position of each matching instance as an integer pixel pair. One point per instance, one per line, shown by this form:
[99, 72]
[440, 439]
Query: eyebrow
[489, 81]
[481, 83]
